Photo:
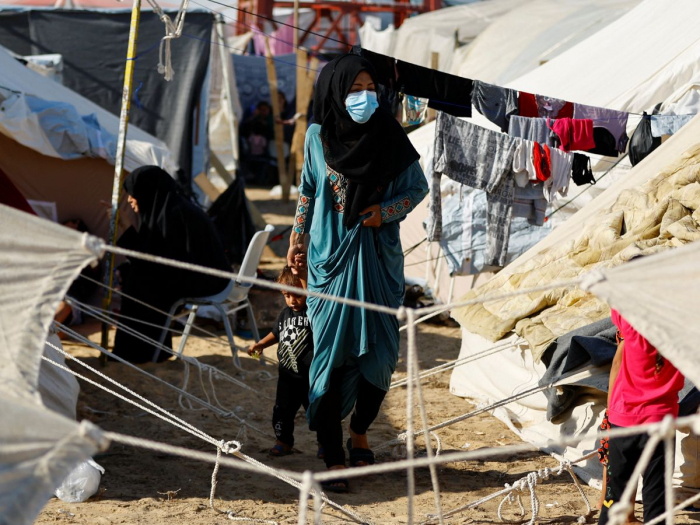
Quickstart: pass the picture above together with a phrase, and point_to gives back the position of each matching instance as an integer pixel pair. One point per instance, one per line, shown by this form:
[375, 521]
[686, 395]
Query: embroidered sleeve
[302, 215]
[396, 208]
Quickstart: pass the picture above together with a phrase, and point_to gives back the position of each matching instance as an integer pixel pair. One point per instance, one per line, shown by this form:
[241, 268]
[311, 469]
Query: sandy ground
[142, 487]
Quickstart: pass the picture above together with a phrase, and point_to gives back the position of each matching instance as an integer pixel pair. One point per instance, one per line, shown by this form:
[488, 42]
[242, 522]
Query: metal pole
[119, 161]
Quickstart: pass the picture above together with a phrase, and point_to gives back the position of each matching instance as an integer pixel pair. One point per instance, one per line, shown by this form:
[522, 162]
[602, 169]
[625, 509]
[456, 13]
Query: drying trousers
[292, 394]
[623, 455]
[330, 427]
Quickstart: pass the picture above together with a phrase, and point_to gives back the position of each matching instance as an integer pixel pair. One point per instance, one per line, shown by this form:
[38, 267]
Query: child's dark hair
[288, 278]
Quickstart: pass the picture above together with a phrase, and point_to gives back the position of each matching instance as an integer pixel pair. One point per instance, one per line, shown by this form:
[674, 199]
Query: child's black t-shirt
[296, 345]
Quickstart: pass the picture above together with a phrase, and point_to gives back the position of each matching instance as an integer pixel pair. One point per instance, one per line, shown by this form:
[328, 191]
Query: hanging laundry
[529, 203]
[414, 110]
[605, 143]
[581, 172]
[615, 122]
[642, 142]
[495, 103]
[668, 124]
[542, 160]
[384, 66]
[523, 166]
[573, 134]
[560, 169]
[448, 93]
[541, 106]
[482, 159]
[532, 129]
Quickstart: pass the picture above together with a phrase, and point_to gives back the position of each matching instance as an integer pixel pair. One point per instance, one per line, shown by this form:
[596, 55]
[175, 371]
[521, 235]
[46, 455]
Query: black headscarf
[172, 226]
[369, 155]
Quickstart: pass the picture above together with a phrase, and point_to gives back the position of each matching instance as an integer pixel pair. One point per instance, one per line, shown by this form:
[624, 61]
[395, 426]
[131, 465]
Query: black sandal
[339, 485]
[357, 455]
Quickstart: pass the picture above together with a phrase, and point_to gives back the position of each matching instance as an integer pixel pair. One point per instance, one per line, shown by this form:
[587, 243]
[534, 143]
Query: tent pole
[119, 163]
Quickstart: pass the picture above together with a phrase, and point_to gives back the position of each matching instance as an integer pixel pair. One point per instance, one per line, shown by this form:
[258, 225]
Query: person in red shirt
[645, 391]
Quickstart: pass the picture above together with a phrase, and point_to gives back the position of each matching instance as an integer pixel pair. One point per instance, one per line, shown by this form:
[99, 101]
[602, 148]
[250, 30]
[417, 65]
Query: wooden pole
[307, 75]
[119, 162]
[276, 114]
[434, 62]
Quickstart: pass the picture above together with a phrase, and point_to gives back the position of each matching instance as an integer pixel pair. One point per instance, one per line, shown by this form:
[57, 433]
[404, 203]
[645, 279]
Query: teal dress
[359, 263]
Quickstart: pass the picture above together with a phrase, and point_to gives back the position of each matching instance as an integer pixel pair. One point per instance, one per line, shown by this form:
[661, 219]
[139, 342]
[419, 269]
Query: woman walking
[360, 178]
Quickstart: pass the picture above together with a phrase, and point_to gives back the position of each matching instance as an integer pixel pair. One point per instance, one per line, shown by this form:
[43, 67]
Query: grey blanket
[593, 345]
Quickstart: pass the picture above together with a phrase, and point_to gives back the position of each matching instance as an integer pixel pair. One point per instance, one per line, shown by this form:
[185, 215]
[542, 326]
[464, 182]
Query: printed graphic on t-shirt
[294, 341]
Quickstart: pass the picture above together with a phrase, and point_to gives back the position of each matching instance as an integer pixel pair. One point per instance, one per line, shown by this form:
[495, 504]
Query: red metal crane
[333, 20]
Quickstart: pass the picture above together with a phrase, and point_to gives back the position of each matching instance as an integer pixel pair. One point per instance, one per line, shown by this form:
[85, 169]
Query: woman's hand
[297, 250]
[375, 218]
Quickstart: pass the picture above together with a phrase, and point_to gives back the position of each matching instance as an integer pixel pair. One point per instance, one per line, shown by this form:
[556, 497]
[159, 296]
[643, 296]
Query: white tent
[25, 126]
[532, 34]
[435, 32]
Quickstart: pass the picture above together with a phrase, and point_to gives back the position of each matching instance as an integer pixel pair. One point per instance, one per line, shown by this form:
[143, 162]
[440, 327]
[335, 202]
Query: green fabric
[358, 263]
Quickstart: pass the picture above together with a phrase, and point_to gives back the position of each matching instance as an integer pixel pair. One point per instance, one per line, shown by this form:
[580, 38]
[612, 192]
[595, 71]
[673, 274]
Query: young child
[645, 390]
[292, 332]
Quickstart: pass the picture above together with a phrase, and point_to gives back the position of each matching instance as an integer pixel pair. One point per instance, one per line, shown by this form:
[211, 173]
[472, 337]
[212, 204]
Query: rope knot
[401, 313]
[229, 447]
[667, 429]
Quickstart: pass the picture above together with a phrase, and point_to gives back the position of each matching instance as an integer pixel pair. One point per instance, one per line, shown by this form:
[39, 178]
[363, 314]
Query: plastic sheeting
[38, 447]
[75, 127]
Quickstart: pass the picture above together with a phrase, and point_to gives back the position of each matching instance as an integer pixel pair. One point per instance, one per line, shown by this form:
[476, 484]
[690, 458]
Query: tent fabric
[58, 389]
[658, 296]
[437, 31]
[75, 186]
[658, 62]
[251, 78]
[38, 447]
[21, 83]
[656, 216]
[163, 108]
[529, 35]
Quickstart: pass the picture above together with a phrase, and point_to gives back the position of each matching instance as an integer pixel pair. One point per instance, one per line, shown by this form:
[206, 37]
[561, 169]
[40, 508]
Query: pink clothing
[641, 394]
[574, 134]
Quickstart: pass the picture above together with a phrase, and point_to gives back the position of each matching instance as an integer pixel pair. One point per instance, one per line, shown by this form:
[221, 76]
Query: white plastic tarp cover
[38, 447]
[57, 122]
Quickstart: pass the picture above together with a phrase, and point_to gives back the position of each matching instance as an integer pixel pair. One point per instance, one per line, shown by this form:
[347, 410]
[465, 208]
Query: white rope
[188, 395]
[411, 435]
[172, 31]
[415, 375]
[675, 509]
[216, 338]
[458, 362]
[328, 297]
[99, 315]
[174, 420]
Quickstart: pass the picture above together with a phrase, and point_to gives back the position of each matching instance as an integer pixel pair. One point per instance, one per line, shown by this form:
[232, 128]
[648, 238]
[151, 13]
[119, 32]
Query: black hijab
[369, 155]
[172, 226]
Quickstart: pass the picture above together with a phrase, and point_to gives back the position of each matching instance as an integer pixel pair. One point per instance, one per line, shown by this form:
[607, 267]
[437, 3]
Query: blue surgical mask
[361, 105]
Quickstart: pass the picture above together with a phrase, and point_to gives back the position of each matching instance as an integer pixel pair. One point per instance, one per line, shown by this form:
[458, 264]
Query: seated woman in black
[169, 226]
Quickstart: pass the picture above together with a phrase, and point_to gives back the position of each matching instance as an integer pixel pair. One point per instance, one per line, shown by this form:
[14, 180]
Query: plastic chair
[230, 300]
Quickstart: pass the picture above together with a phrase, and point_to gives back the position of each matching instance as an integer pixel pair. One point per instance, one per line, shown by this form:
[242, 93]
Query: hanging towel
[558, 182]
[573, 134]
[613, 121]
[668, 124]
[532, 129]
[495, 103]
[482, 159]
[540, 106]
